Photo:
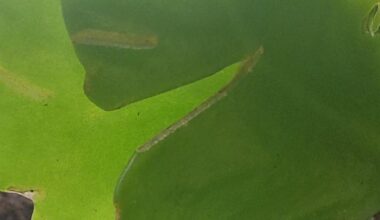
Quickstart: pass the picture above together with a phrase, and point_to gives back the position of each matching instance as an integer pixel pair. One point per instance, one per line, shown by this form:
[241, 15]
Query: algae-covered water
[53, 139]
[84, 83]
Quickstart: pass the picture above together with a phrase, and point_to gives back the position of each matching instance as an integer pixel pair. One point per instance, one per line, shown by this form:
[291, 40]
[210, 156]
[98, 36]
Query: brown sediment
[246, 66]
[115, 39]
[376, 216]
[24, 87]
[117, 212]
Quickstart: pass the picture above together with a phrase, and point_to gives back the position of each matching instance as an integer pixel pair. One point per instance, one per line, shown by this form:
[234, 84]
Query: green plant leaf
[298, 138]
[135, 49]
[53, 140]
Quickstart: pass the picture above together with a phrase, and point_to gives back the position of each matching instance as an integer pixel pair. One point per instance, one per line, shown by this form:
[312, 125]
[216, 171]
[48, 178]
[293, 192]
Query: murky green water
[179, 42]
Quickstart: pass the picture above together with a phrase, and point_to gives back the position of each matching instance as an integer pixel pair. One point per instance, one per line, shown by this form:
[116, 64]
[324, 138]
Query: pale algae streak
[113, 39]
[24, 87]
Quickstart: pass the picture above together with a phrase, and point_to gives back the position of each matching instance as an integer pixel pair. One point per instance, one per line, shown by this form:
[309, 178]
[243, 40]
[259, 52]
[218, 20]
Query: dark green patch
[196, 39]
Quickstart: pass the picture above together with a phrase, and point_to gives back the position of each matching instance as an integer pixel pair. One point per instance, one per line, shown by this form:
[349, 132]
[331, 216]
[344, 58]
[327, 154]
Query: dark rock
[15, 207]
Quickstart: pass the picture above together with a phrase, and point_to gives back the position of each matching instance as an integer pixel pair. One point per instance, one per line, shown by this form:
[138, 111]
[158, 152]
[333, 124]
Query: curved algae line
[246, 66]
[24, 87]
